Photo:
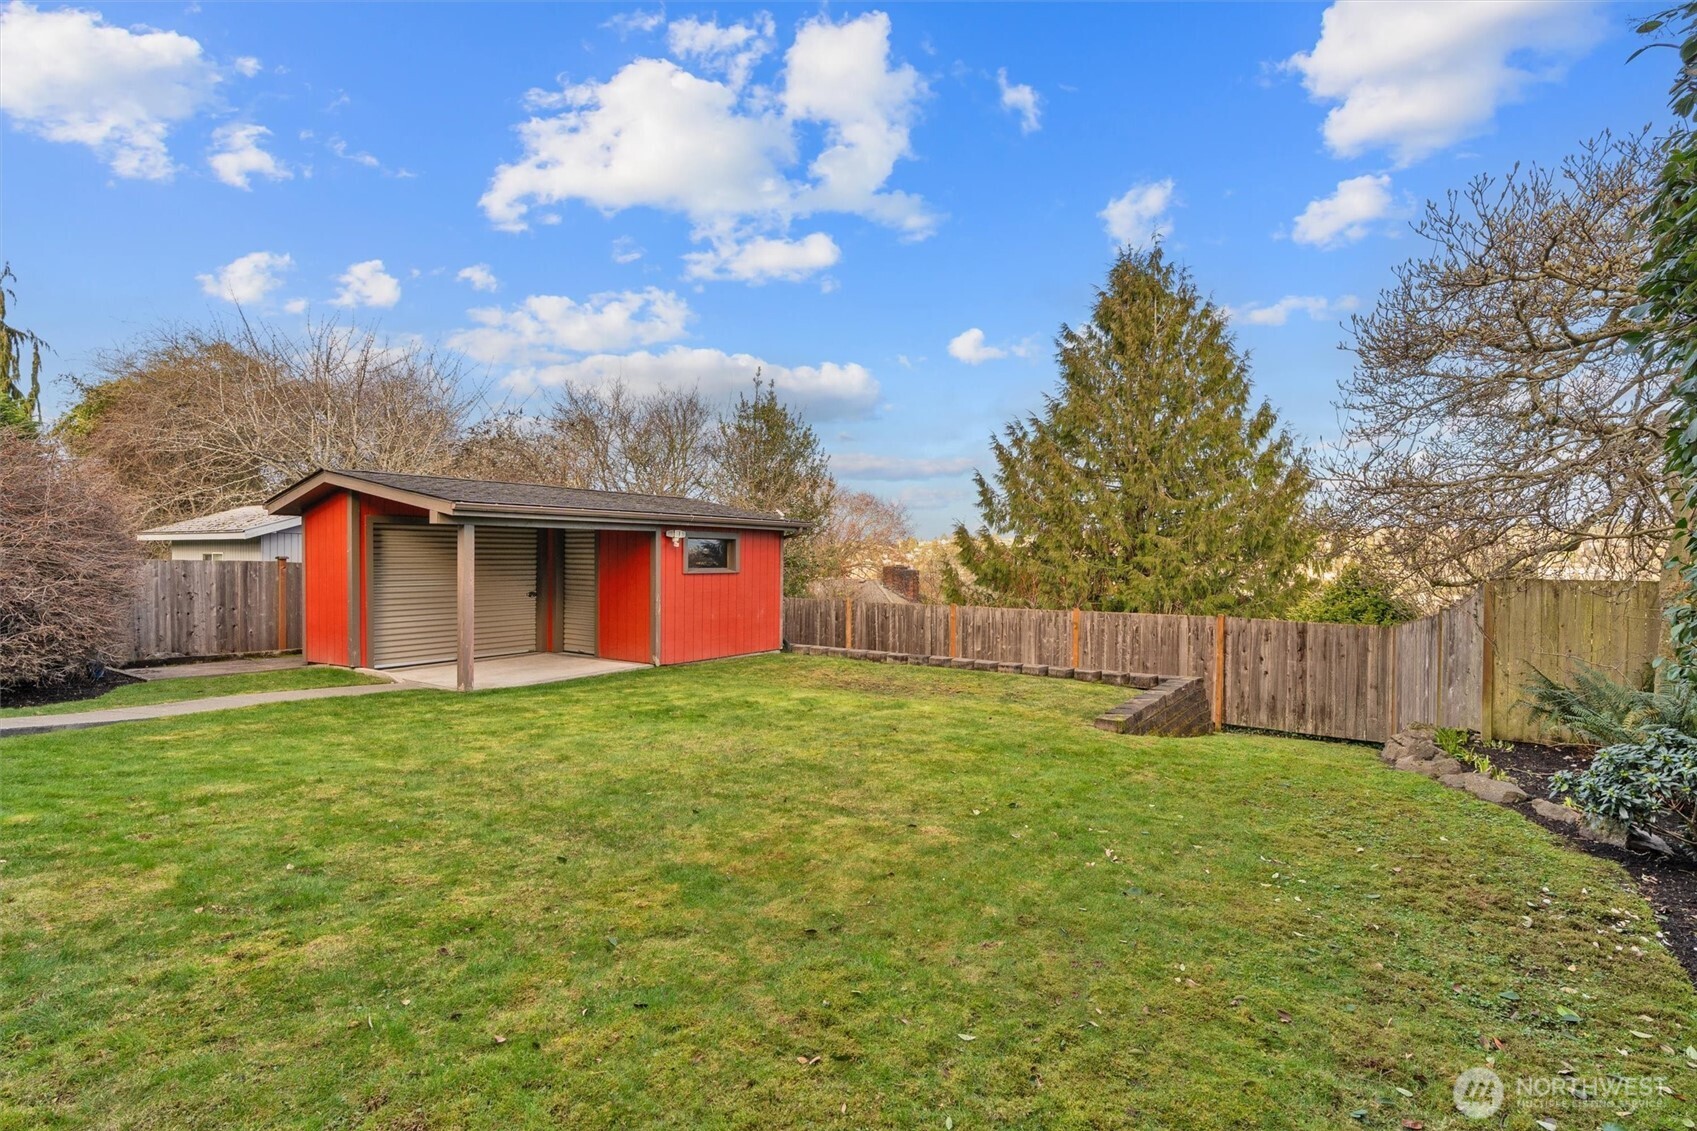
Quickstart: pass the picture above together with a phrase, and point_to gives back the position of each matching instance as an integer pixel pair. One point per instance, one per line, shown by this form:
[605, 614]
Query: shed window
[212, 557]
[710, 555]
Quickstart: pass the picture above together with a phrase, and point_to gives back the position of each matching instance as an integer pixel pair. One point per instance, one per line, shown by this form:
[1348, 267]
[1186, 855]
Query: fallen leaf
[500, 1040]
[1413, 1125]
[966, 1036]
[1284, 1018]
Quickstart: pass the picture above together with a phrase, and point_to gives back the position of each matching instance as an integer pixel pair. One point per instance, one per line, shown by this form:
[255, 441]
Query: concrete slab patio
[514, 671]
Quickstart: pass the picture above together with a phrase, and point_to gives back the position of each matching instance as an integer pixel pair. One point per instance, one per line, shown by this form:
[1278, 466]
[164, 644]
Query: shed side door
[413, 599]
[506, 591]
[577, 611]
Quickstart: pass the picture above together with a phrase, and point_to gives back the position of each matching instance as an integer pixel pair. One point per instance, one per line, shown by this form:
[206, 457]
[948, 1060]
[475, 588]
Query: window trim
[733, 552]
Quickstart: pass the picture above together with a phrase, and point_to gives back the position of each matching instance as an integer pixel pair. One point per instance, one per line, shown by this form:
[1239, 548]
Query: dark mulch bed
[68, 691]
[1670, 886]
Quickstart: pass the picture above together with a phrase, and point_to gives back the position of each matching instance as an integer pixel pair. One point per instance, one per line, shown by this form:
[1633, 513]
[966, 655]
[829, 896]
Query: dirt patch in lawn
[69, 691]
[1670, 886]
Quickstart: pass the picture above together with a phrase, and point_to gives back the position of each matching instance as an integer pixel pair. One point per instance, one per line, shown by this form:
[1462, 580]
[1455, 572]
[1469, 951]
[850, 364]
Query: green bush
[1649, 784]
[1604, 711]
[1354, 596]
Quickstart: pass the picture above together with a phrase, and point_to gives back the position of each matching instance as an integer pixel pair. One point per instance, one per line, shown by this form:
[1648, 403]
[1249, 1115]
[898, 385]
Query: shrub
[1354, 597]
[1650, 784]
[1605, 711]
[67, 564]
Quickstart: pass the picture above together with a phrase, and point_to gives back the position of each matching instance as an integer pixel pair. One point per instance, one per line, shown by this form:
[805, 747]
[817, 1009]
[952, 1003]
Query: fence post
[954, 631]
[282, 604]
[1075, 652]
[1220, 669]
[1488, 660]
[848, 622]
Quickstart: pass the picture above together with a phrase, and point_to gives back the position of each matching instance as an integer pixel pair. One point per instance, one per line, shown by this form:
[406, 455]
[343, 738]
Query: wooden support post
[1075, 647]
[466, 578]
[1488, 661]
[848, 622]
[1220, 670]
[282, 604]
[954, 631]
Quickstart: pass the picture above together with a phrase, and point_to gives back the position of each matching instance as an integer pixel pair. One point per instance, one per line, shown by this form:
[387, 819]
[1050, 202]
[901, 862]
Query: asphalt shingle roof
[236, 521]
[495, 494]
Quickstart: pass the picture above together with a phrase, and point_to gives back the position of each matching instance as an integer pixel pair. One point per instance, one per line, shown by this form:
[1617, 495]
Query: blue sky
[892, 209]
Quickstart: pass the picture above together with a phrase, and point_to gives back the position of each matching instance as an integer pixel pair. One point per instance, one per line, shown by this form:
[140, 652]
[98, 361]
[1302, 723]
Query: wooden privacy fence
[215, 609]
[1463, 667]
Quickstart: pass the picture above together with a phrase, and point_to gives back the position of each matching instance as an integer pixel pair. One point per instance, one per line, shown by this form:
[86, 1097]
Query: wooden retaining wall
[215, 609]
[1462, 667]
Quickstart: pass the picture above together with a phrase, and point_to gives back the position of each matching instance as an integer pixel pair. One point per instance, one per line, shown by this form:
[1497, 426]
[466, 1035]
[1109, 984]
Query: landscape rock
[1551, 811]
[1492, 790]
[1601, 835]
[1432, 767]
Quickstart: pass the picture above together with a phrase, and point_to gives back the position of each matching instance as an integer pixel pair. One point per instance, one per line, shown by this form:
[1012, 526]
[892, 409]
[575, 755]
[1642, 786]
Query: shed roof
[488, 498]
[237, 522]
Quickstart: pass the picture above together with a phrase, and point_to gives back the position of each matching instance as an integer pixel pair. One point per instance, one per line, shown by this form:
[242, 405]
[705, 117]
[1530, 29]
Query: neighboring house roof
[225, 526]
[471, 499]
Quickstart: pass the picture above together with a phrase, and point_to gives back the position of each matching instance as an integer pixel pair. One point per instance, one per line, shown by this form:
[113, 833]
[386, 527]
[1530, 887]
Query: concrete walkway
[192, 669]
[82, 720]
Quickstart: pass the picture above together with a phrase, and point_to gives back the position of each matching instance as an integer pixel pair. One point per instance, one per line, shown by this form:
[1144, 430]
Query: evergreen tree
[768, 458]
[20, 398]
[1147, 483]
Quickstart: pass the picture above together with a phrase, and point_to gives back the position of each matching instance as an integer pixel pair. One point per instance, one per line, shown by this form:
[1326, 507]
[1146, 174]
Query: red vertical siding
[324, 556]
[370, 505]
[624, 624]
[707, 615]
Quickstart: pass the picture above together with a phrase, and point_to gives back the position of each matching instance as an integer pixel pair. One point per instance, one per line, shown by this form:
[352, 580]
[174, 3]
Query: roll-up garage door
[413, 605]
[506, 591]
[577, 614]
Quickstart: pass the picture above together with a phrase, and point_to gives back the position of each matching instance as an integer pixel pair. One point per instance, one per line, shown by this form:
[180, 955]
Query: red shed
[426, 569]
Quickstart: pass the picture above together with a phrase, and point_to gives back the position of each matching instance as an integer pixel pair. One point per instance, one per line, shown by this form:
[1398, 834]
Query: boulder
[1492, 790]
[1553, 811]
[1602, 834]
[1432, 767]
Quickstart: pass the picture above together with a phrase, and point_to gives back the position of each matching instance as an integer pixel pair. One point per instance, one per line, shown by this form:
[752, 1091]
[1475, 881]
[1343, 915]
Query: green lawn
[200, 687]
[786, 892]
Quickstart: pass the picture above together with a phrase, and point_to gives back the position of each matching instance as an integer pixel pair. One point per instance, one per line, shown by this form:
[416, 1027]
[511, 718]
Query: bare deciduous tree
[859, 535]
[67, 563]
[611, 439]
[1500, 420]
[193, 421]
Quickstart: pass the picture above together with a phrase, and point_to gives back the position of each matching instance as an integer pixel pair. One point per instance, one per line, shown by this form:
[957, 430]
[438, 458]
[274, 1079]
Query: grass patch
[200, 687]
[788, 891]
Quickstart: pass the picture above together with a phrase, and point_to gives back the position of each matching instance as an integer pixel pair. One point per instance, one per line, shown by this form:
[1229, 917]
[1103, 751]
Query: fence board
[200, 608]
[1339, 681]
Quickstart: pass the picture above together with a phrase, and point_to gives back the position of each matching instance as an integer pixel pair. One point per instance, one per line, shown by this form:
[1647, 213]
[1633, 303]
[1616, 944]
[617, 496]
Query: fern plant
[1605, 711]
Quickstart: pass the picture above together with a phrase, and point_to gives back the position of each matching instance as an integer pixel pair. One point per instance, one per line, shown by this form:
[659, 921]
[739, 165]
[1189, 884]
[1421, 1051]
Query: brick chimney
[902, 580]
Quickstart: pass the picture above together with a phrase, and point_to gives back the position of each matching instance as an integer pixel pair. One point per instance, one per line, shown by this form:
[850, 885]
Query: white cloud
[656, 135]
[367, 284]
[68, 76]
[480, 277]
[359, 157]
[1317, 307]
[761, 258]
[1021, 100]
[296, 306]
[543, 328]
[826, 391]
[968, 346]
[248, 279]
[627, 22]
[865, 465]
[626, 250]
[1413, 77]
[248, 65]
[1347, 215]
[731, 51]
[237, 156]
[1139, 217]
